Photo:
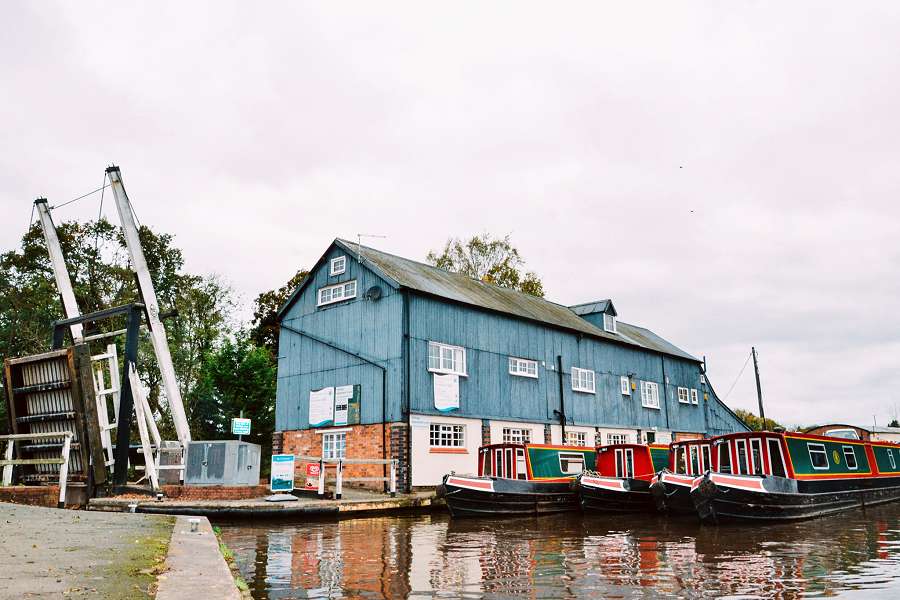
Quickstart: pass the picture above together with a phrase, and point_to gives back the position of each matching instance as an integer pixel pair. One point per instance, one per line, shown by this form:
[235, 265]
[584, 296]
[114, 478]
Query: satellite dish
[373, 293]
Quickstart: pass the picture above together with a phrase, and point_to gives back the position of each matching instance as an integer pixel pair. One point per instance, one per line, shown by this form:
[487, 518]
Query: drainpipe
[562, 398]
[405, 403]
[662, 359]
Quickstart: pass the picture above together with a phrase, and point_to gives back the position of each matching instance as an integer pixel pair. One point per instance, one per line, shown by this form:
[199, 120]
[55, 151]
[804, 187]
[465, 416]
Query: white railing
[9, 462]
[339, 478]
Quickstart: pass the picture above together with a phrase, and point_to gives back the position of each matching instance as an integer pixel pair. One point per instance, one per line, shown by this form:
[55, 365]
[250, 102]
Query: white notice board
[321, 407]
[342, 396]
[446, 392]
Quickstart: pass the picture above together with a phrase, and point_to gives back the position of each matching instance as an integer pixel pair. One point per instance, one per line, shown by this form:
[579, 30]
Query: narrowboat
[671, 487]
[621, 482]
[518, 479]
[785, 476]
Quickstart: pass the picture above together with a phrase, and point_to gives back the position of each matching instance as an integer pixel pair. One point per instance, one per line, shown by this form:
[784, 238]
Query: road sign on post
[240, 426]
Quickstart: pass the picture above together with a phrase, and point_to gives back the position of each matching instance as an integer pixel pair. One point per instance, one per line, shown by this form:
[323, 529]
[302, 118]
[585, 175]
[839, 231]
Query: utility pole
[762, 413]
[148, 294]
[60, 273]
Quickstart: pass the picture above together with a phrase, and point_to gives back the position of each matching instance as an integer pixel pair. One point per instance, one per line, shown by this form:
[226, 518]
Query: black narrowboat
[621, 482]
[769, 476]
[518, 479]
[671, 487]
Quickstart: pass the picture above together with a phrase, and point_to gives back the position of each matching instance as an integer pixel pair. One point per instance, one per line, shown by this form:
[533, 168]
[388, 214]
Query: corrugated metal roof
[459, 288]
[590, 308]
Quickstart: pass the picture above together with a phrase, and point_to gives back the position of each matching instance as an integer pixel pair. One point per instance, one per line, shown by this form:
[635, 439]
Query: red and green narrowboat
[518, 479]
[671, 488]
[786, 476]
[621, 482]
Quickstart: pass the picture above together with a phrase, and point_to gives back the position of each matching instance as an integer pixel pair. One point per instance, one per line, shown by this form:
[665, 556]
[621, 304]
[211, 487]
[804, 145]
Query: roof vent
[373, 293]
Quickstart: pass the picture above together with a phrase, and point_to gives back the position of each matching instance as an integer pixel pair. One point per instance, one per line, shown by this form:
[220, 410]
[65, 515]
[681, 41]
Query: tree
[488, 259]
[264, 328]
[755, 423]
[894, 423]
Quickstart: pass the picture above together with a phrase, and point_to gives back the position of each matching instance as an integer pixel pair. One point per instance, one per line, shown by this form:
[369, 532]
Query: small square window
[337, 293]
[516, 435]
[818, 457]
[650, 394]
[694, 397]
[683, 395]
[576, 438]
[338, 265]
[523, 367]
[625, 384]
[334, 445]
[850, 458]
[609, 323]
[443, 358]
[583, 380]
[443, 435]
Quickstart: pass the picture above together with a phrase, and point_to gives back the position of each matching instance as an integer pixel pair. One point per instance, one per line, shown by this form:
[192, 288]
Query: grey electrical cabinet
[225, 462]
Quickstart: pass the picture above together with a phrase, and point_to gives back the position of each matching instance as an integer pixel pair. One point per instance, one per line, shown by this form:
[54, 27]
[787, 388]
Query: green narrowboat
[786, 476]
[518, 479]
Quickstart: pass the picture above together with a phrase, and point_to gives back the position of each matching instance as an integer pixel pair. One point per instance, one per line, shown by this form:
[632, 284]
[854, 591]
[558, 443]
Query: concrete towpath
[195, 568]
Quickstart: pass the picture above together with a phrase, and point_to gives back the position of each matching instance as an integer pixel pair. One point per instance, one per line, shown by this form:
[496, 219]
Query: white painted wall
[428, 468]
[537, 431]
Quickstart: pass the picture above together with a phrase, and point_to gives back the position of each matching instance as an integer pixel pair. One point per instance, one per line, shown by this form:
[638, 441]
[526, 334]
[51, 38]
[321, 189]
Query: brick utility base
[31, 495]
[363, 441]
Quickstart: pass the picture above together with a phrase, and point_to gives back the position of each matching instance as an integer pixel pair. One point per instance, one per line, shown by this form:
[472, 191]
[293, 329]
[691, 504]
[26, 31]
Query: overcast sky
[727, 173]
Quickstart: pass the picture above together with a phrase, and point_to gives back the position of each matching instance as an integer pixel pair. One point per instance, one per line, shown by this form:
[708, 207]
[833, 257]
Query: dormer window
[609, 323]
[338, 265]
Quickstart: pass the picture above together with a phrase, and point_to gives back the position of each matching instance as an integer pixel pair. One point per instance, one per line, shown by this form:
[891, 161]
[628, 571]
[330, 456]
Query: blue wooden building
[381, 356]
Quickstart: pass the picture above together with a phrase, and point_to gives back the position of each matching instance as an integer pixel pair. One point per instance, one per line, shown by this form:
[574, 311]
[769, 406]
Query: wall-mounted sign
[342, 396]
[240, 426]
[446, 392]
[321, 407]
[282, 477]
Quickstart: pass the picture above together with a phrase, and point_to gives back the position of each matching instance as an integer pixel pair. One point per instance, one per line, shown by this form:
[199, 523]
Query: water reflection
[570, 556]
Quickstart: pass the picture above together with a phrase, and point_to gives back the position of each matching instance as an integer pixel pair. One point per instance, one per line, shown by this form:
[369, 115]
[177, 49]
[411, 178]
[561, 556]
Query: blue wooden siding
[370, 328]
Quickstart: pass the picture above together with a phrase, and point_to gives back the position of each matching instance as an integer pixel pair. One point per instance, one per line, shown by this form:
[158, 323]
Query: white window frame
[580, 380]
[819, 448]
[516, 435]
[453, 433]
[890, 453]
[523, 367]
[650, 394]
[625, 463]
[348, 292]
[580, 438]
[338, 265]
[457, 356]
[625, 384]
[574, 457]
[852, 452]
[695, 399]
[330, 445]
[616, 438]
[609, 323]
[684, 395]
[770, 443]
[702, 379]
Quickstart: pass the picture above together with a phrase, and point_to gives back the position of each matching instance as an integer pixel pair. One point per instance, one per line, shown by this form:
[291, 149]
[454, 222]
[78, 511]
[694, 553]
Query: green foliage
[488, 259]
[894, 423]
[264, 329]
[755, 423]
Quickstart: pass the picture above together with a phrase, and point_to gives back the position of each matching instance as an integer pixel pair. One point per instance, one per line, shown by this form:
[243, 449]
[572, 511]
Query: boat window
[704, 456]
[756, 451]
[571, 463]
[508, 464]
[486, 463]
[521, 466]
[625, 462]
[776, 460]
[817, 456]
[680, 460]
[695, 467]
[850, 458]
[847, 434]
[725, 458]
[742, 457]
[890, 453]
[498, 463]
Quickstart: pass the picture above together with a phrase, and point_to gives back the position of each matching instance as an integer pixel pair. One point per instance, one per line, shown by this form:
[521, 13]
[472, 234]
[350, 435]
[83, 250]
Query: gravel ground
[52, 553]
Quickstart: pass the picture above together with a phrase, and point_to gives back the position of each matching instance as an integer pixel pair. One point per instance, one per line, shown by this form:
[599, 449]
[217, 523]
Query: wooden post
[93, 439]
[64, 470]
[393, 487]
[8, 468]
[339, 480]
[321, 491]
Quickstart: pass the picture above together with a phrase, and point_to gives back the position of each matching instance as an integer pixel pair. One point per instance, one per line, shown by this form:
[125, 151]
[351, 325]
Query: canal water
[855, 555]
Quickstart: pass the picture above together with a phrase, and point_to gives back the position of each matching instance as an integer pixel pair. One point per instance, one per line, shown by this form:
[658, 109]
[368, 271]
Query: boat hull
[672, 493]
[721, 498]
[613, 494]
[469, 496]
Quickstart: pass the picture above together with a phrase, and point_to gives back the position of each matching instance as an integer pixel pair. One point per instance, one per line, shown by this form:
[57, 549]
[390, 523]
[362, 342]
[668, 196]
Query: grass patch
[228, 555]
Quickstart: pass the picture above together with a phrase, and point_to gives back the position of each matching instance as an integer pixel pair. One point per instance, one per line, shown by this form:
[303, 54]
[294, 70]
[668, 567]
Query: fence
[339, 478]
[9, 462]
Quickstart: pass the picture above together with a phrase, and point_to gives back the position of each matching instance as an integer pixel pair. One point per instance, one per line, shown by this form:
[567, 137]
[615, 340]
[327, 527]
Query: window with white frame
[609, 323]
[683, 395]
[337, 293]
[616, 438]
[583, 380]
[334, 445]
[576, 438]
[850, 457]
[571, 463]
[516, 435]
[694, 398]
[702, 379]
[625, 384]
[523, 367]
[817, 456]
[338, 265]
[890, 454]
[443, 358]
[649, 394]
[445, 435]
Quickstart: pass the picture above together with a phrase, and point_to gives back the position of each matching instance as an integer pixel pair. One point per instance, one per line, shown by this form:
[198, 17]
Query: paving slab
[55, 553]
[195, 568]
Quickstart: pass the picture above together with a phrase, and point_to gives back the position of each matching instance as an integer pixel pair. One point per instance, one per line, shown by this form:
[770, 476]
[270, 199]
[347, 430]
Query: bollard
[132, 508]
[339, 479]
[195, 524]
[321, 480]
[393, 487]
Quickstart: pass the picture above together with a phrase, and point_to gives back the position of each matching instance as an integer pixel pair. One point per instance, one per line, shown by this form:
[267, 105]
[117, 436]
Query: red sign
[312, 469]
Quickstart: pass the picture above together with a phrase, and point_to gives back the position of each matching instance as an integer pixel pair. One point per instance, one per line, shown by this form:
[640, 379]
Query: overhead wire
[736, 379]
[82, 196]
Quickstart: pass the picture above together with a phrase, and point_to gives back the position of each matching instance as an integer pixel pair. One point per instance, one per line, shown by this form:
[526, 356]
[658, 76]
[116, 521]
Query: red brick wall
[363, 441]
[35, 495]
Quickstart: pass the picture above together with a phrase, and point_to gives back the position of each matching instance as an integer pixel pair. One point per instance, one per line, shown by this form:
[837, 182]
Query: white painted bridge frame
[9, 462]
